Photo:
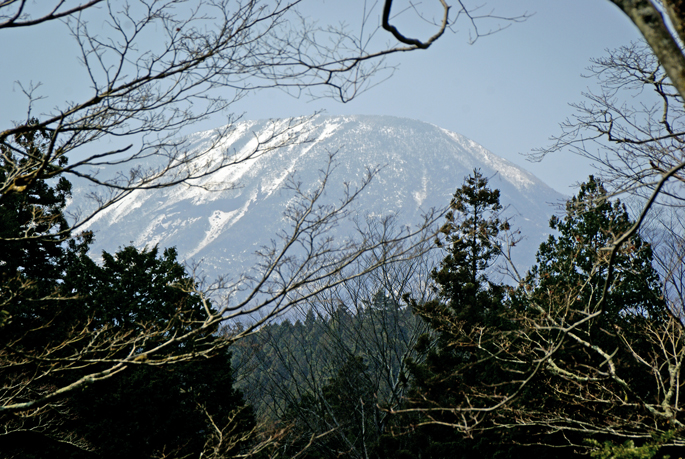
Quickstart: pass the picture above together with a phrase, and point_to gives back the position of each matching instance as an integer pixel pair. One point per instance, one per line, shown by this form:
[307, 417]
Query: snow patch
[421, 195]
[512, 173]
[219, 222]
[152, 235]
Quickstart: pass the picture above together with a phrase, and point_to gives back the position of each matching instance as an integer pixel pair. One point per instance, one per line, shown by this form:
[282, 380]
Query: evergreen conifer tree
[473, 244]
[468, 302]
[467, 298]
[33, 229]
[62, 312]
[576, 260]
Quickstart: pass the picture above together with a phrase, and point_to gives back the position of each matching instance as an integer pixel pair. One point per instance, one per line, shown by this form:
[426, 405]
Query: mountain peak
[420, 164]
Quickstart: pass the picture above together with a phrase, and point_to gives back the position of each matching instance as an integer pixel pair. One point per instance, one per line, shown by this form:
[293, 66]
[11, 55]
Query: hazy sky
[508, 91]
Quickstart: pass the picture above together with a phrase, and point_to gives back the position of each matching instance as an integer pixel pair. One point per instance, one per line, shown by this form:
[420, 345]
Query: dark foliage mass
[57, 303]
[151, 410]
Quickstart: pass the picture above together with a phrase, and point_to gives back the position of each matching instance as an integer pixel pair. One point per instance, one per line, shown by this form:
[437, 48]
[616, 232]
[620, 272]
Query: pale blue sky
[507, 92]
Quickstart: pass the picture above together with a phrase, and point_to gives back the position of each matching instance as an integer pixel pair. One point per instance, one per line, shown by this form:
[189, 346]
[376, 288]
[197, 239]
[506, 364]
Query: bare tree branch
[18, 18]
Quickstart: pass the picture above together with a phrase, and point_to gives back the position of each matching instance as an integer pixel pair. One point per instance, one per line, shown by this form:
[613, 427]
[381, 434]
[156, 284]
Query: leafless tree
[633, 131]
[632, 128]
[662, 24]
[646, 157]
[157, 67]
[154, 69]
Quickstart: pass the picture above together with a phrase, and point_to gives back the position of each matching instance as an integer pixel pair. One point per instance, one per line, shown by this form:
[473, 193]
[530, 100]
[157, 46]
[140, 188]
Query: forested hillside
[578, 357]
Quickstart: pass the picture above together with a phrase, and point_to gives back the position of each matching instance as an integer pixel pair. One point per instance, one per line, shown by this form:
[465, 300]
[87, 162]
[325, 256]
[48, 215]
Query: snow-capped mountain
[421, 165]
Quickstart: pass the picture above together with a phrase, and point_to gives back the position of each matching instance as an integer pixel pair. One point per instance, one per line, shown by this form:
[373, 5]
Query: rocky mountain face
[419, 166]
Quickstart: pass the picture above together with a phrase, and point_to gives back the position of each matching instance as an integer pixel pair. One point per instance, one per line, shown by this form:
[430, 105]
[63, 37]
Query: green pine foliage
[133, 290]
[468, 300]
[575, 260]
[33, 229]
[144, 411]
[285, 361]
[628, 450]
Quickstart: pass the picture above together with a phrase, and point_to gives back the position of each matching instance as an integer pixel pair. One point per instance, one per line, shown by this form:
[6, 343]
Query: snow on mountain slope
[421, 166]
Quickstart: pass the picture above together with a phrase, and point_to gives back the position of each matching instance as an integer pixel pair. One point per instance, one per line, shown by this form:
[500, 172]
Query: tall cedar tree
[467, 302]
[467, 299]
